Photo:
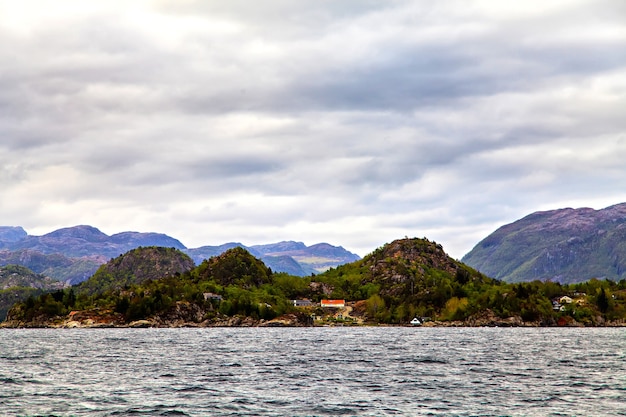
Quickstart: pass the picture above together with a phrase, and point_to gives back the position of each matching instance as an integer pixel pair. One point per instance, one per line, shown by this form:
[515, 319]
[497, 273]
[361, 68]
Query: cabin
[302, 303]
[333, 303]
[209, 296]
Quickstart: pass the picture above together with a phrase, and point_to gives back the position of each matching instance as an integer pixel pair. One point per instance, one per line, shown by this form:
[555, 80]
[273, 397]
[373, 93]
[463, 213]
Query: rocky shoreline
[113, 320]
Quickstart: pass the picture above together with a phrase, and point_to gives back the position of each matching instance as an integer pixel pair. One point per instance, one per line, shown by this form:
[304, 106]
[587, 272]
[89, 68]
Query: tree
[602, 301]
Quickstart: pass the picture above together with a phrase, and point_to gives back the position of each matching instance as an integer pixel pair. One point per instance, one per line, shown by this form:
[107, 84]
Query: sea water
[332, 371]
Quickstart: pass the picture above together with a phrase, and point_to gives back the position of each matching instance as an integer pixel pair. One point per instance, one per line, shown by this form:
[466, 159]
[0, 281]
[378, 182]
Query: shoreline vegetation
[403, 280]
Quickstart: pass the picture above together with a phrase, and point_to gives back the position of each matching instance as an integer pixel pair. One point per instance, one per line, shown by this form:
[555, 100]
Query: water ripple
[313, 372]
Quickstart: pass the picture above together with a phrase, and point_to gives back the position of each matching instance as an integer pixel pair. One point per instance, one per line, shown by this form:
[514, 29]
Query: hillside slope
[18, 282]
[565, 245]
[135, 267]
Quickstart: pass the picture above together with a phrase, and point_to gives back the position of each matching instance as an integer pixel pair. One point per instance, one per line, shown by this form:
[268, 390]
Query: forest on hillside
[401, 280]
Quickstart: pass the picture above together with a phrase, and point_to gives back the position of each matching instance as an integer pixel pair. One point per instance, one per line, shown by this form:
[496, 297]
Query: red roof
[333, 302]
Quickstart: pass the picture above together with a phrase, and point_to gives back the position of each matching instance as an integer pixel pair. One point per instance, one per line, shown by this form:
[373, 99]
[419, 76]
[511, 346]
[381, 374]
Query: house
[209, 296]
[333, 303]
[565, 300]
[302, 303]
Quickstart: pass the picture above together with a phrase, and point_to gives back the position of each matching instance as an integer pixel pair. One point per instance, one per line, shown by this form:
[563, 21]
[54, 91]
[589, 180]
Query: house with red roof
[333, 303]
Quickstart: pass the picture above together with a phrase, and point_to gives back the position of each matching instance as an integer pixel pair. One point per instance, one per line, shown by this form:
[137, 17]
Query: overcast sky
[350, 122]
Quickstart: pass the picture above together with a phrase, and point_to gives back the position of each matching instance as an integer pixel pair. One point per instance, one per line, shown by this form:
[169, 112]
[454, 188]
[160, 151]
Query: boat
[416, 322]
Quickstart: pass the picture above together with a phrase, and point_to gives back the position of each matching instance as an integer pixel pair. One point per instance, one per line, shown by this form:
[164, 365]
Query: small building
[333, 303]
[565, 300]
[302, 303]
[209, 296]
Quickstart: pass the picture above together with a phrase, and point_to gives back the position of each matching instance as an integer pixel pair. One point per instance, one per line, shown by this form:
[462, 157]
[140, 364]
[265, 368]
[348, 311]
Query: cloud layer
[351, 122]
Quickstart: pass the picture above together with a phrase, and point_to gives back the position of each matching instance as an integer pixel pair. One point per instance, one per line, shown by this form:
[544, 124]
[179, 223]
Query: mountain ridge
[73, 254]
[565, 245]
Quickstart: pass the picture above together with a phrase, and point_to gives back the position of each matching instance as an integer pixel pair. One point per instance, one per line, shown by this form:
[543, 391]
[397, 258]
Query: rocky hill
[565, 245]
[73, 254]
[235, 267]
[136, 266]
[18, 282]
[19, 276]
[415, 271]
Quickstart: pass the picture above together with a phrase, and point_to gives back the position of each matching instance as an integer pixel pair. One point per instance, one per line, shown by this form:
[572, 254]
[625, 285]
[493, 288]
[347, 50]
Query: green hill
[136, 266]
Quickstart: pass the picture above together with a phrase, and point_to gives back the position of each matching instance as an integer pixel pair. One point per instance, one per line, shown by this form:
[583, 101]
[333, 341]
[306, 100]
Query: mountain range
[565, 245]
[73, 254]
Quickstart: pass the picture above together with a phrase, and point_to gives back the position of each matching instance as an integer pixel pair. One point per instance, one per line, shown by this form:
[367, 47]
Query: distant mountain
[294, 258]
[83, 240]
[565, 245]
[73, 254]
[11, 234]
[54, 265]
[206, 252]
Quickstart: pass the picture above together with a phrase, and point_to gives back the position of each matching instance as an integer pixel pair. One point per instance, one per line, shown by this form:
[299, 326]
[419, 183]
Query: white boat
[416, 322]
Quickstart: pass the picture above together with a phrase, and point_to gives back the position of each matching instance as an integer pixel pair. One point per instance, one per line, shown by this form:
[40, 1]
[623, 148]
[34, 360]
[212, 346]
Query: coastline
[289, 321]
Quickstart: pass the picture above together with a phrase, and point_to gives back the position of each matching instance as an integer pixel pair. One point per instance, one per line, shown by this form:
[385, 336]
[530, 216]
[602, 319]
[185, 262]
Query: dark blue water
[313, 372]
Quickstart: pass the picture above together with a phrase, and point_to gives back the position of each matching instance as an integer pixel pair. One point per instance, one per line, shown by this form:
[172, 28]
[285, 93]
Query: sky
[351, 122]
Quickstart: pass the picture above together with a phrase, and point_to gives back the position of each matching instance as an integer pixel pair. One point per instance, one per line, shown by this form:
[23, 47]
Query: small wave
[278, 403]
[38, 415]
[194, 388]
[244, 401]
[174, 413]
[149, 412]
[431, 360]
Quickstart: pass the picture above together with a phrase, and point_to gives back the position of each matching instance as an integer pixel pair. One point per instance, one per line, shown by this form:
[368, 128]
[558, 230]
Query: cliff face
[566, 245]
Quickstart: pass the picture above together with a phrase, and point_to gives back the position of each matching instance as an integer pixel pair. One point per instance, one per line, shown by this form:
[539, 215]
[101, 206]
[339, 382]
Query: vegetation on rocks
[136, 266]
[18, 282]
[403, 279]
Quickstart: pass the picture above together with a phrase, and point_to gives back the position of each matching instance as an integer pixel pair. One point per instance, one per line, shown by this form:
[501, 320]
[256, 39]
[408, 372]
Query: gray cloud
[350, 122]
